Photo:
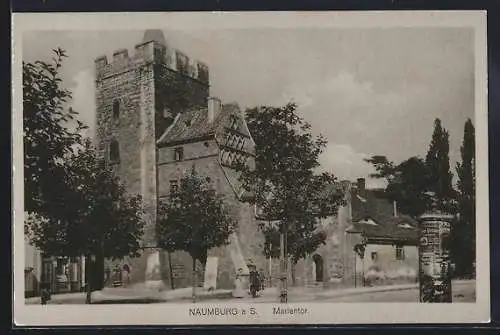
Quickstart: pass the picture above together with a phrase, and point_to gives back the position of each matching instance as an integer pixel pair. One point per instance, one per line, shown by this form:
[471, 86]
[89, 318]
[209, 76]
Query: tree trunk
[88, 274]
[293, 273]
[171, 271]
[194, 279]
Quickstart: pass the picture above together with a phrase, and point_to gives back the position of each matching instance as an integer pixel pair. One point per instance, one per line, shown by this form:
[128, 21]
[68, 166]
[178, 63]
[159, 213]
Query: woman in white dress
[238, 291]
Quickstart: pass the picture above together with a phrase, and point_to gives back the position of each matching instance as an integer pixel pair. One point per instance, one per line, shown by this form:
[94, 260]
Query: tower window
[116, 110]
[114, 151]
[178, 154]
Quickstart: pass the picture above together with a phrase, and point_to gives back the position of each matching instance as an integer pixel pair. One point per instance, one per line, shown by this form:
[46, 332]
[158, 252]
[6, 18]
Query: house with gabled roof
[214, 140]
[368, 242]
[388, 239]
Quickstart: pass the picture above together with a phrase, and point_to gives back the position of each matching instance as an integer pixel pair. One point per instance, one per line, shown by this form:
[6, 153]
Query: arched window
[116, 110]
[114, 151]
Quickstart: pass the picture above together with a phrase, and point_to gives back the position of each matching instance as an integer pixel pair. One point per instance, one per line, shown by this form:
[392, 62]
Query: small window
[114, 151]
[400, 254]
[116, 110]
[374, 256]
[178, 154]
[174, 186]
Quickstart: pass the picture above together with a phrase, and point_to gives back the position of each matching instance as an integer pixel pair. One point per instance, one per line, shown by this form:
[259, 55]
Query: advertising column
[434, 258]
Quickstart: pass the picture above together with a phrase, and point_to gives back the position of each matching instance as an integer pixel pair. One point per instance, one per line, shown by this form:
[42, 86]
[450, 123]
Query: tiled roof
[190, 125]
[194, 124]
[372, 204]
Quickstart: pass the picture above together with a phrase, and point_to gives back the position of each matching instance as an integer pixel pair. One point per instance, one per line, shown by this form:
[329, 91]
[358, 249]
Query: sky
[368, 91]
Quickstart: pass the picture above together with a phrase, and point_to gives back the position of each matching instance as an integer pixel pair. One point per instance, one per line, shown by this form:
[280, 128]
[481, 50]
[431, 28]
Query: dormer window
[360, 198]
[405, 225]
[368, 221]
[116, 110]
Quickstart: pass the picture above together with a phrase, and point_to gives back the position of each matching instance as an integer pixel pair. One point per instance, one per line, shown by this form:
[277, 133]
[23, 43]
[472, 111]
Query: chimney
[361, 183]
[395, 208]
[214, 108]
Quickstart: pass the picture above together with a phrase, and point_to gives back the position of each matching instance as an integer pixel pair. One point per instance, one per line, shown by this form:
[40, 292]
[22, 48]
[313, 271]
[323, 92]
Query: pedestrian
[238, 291]
[107, 277]
[45, 296]
[262, 278]
[126, 275]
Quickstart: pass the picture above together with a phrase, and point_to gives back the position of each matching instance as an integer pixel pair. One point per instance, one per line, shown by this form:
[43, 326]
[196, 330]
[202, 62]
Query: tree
[438, 166]
[464, 233]
[284, 182]
[47, 135]
[195, 220]
[96, 217]
[407, 183]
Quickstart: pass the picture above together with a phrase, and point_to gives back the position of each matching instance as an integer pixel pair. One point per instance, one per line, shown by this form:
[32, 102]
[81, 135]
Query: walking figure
[255, 282]
[45, 296]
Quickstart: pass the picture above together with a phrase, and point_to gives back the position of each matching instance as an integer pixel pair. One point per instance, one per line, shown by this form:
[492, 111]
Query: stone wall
[144, 84]
[204, 157]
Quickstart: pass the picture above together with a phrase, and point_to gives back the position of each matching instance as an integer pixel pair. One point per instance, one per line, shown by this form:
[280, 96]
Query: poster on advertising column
[435, 284]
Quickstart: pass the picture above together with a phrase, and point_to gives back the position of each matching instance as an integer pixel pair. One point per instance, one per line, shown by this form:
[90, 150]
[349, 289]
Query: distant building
[56, 274]
[370, 220]
[390, 239]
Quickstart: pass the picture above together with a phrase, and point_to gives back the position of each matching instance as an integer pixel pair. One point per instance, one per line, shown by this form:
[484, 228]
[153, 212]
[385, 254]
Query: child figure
[238, 291]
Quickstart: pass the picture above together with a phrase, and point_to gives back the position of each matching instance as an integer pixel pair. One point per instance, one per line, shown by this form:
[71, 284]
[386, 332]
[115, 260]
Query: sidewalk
[143, 295]
[56, 297]
[110, 295]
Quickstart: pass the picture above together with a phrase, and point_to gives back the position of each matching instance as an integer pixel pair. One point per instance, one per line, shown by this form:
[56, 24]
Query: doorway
[318, 265]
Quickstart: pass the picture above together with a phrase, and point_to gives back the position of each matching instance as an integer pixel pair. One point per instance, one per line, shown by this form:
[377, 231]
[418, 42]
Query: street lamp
[292, 165]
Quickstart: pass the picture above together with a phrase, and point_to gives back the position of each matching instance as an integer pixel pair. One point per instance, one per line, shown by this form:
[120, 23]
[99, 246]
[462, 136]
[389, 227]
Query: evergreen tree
[195, 220]
[407, 183]
[438, 166]
[464, 232]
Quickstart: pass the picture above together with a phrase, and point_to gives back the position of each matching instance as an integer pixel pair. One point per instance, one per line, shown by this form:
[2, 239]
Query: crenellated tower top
[152, 49]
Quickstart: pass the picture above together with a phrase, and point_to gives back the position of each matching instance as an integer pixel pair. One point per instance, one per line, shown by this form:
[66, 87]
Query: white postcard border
[319, 312]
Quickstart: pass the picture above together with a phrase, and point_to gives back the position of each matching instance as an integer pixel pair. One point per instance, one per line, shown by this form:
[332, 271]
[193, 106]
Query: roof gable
[194, 125]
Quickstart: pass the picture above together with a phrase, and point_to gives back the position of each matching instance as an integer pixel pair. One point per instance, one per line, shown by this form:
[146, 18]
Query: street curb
[382, 289]
[225, 295]
[361, 292]
[155, 299]
[222, 295]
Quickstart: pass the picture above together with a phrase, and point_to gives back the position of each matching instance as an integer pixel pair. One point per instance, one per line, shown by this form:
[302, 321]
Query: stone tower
[138, 95]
